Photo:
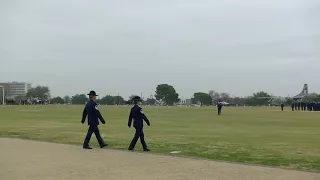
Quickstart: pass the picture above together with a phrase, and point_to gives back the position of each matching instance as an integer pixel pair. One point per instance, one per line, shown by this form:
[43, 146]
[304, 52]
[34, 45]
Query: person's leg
[99, 138]
[88, 137]
[134, 140]
[144, 145]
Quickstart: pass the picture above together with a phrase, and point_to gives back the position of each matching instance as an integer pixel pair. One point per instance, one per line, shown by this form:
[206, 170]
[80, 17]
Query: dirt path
[31, 160]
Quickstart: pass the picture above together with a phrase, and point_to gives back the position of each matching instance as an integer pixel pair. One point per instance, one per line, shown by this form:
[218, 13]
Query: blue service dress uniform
[292, 106]
[219, 106]
[138, 115]
[91, 110]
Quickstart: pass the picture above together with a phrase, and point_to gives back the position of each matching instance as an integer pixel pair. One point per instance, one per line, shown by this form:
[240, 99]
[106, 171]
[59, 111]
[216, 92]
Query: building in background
[188, 102]
[15, 89]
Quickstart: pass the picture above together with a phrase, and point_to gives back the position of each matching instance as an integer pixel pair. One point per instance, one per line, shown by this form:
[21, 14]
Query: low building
[15, 89]
[188, 102]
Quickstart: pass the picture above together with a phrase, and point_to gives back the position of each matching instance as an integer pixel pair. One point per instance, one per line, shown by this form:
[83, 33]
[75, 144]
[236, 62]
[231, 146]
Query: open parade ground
[256, 136]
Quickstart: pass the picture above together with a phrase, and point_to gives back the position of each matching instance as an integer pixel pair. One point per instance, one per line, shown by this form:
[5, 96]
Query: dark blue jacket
[138, 115]
[91, 109]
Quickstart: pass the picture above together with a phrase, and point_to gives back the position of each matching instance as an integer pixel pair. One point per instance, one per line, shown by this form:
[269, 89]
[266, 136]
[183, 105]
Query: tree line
[165, 94]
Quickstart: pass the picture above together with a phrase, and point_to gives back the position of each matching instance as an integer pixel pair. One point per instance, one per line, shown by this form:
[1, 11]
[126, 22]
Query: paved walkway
[31, 160]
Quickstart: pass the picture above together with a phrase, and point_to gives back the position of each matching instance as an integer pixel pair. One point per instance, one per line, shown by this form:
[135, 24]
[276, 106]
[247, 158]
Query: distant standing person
[304, 106]
[138, 115]
[91, 110]
[219, 106]
[292, 106]
[282, 105]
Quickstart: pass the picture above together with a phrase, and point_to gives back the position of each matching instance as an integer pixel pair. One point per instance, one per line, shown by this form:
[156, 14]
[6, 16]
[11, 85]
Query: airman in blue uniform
[91, 110]
[138, 115]
[292, 106]
[219, 106]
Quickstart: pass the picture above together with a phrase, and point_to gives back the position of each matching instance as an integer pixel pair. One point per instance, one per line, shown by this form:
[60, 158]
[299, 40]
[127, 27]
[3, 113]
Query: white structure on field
[2, 94]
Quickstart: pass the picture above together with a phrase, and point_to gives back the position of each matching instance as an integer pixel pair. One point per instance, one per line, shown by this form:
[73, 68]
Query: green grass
[264, 136]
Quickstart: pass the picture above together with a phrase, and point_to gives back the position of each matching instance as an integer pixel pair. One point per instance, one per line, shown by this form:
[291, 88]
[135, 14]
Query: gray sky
[129, 47]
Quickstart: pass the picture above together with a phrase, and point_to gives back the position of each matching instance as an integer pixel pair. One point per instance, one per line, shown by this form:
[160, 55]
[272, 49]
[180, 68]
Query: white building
[14, 89]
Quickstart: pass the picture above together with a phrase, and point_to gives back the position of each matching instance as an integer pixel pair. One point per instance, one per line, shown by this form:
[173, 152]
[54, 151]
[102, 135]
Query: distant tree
[225, 97]
[128, 102]
[193, 101]
[10, 101]
[79, 99]
[258, 99]
[251, 101]
[167, 94]
[261, 94]
[203, 98]
[119, 100]
[150, 101]
[19, 98]
[214, 95]
[57, 100]
[67, 99]
[237, 101]
[111, 100]
[40, 92]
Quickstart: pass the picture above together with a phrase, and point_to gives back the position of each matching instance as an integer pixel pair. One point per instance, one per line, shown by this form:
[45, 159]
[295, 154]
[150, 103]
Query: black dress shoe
[146, 149]
[87, 147]
[130, 149]
[105, 145]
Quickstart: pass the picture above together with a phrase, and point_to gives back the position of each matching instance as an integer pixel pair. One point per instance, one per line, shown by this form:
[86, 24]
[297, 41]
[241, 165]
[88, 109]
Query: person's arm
[99, 114]
[145, 117]
[84, 115]
[130, 119]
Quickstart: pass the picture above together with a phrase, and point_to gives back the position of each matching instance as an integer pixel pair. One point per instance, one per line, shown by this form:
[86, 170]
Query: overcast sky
[130, 46]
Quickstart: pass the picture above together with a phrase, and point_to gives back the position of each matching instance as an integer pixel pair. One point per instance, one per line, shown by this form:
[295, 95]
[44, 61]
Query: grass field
[252, 135]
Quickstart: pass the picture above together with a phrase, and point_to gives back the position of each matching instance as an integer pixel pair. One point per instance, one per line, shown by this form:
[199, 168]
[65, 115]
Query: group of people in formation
[92, 111]
[305, 106]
